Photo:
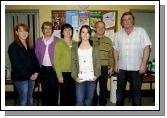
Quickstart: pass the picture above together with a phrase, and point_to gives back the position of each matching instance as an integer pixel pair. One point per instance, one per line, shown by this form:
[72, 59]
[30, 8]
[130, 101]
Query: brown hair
[47, 23]
[89, 32]
[16, 38]
[127, 13]
[88, 28]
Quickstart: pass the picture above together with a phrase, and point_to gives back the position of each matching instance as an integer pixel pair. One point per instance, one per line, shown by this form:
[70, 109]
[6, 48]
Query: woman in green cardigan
[62, 62]
[85, 67]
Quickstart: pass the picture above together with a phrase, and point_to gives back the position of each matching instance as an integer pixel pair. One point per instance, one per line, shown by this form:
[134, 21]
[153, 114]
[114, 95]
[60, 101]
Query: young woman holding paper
[85, 67]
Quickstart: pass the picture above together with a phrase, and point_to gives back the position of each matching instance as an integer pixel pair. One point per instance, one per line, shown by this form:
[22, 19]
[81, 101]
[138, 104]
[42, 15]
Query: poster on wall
[72, 17]
[94, 17]
[57, 33]
[83, 18]
[58, 19]
[109, 18]
[76, 34]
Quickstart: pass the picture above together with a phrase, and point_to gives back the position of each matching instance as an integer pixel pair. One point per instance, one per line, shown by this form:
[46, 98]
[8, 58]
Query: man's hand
[143, 68]
[116, 68]
[110, 71]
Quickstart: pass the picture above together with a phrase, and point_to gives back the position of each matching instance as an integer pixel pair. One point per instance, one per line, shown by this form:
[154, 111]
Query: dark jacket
[23, 62]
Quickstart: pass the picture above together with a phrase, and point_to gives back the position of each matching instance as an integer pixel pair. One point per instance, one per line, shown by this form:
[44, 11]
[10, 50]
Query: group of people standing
[74, 68]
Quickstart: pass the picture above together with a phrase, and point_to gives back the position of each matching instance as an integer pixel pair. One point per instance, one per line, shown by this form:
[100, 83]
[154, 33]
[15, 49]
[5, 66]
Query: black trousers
[67, 90]
[50, 86]
[102, 98]
[135, 79]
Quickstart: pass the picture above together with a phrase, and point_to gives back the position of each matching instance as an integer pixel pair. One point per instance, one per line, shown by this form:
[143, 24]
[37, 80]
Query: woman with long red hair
[24, 65]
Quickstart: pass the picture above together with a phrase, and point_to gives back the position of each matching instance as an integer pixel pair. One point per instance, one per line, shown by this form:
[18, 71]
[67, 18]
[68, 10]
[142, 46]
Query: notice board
[78, 18]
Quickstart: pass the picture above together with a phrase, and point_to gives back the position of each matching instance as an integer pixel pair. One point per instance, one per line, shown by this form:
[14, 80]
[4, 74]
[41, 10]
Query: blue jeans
[25, 92]
[135, 79]
[84, 93]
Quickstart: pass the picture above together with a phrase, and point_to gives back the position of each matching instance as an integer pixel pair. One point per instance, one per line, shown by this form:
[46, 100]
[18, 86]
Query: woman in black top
[24, 64]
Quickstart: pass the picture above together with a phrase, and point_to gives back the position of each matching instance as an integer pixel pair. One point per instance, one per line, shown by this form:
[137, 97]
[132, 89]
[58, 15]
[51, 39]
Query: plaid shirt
[131, 47]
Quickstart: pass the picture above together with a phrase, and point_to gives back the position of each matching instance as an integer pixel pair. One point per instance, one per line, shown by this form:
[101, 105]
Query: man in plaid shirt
[131, 53]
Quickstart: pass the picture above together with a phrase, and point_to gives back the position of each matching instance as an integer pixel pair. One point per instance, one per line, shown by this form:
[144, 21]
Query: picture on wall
[109, 18]
[58, 19]
[94, 17]
[72, 18]
[83, 18]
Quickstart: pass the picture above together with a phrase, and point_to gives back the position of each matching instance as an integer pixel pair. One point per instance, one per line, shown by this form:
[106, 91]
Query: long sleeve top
[106, 51]
[62, 58]
[24, 62]
[75, 60]
[40, 49]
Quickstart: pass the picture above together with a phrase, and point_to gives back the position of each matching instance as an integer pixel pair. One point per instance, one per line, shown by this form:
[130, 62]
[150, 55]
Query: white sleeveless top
[86, 71]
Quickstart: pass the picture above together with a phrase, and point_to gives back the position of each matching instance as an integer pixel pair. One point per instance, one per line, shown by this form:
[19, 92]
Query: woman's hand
[34, 76]
[61, 81]
[79, 80]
